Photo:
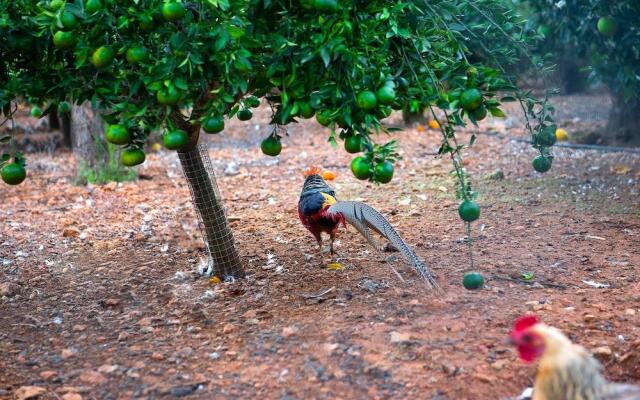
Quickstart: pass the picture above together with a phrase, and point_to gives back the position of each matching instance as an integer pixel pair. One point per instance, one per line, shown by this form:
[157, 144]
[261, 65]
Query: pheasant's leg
[319, 239]
[332, 238]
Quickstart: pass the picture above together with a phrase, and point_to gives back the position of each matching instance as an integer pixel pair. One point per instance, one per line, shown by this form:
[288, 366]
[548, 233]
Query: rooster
[566, 371]
[320, 212]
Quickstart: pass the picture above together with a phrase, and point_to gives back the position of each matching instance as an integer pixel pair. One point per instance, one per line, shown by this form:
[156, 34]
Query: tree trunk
[623, 126]
[97, 161]
[411, 118]
[65, 121]
[54, 120]
[85, 126]
[574, 80]
[224, 260]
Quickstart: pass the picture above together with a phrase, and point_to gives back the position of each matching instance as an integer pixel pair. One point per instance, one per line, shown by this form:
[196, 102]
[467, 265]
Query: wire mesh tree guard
[224, 260]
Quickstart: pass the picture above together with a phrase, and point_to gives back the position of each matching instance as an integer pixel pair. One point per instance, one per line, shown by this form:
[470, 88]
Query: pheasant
[321, 212]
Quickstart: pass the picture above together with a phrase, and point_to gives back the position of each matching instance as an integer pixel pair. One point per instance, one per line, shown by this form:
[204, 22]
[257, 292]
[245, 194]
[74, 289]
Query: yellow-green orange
[471, 99]
[102, 57]
[64, 40]
[562, 135]
[131, 157]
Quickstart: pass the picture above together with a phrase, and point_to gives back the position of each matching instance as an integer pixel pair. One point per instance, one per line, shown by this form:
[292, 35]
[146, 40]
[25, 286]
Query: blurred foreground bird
[321, 212]
[566, 371]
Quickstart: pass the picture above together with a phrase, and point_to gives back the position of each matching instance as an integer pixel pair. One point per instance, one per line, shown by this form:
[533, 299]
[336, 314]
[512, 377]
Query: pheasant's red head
[312, 171]
[529, 343]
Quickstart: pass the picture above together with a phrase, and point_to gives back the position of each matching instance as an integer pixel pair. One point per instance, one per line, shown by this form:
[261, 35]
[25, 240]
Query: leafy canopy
[151, 64]
[607, 32]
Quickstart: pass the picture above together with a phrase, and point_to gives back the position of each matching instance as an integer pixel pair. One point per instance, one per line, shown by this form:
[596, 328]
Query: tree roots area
[101, 298]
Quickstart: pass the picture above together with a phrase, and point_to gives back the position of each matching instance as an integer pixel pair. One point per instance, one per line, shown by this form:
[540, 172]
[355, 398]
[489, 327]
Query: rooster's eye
[527, 338]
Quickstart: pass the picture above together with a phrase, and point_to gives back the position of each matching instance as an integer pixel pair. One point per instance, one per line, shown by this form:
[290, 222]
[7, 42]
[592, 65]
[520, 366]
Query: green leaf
[496, 112]
[326, 57]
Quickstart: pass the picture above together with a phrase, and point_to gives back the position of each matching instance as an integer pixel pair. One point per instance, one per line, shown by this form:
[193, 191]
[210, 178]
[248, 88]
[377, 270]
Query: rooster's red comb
[525, 322]
[312, 171]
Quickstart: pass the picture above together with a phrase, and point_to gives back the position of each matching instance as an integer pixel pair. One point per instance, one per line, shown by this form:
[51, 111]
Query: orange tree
[185, 67]
[606, 35]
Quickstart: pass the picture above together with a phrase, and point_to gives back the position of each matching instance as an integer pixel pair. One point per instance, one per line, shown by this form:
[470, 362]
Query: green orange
[469, 211]
[367, 100]
[386, 95]
[607, 26]
[306, 111]
[323, 118]
[56, 4]
[473, 280]
[361, 168]
[131, 157]
[93, 6]
[353, 144]
[245, 114]
[173, 11]
[118, 134]
[102, 57]
[547, 137]
[145, 23]
[479, 113]
[471, 99]
[252, 101]
[175, 140]
[68, 20]
[64, 107]
[542, 164]
[168, 97]
[271, 146]
[64, 40]
[13, 174]
[137, 54]
[384, 172]
[213, 124]
[326, 5]
[36, 112]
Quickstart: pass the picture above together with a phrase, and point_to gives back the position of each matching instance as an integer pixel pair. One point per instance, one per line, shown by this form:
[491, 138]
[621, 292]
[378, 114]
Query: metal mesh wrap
[223, 257]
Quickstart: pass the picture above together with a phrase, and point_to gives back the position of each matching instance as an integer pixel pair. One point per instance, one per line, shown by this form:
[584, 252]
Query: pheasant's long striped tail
[365, 218]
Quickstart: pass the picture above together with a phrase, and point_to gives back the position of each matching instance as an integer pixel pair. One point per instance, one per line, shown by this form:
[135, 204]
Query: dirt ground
[100, 296]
